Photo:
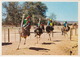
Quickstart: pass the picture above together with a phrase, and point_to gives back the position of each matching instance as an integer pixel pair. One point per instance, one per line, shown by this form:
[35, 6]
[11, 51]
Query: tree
[36, 10]
[15, 10]
[52, 16]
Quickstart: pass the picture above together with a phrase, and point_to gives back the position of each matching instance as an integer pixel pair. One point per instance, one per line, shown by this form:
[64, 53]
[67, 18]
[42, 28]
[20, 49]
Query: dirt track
[59, 45]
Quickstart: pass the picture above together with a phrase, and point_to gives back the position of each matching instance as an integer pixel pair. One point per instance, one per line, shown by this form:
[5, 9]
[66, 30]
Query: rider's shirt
[65, 24]
[38, 24]
[29, 24]
[51, 24]
[24, 22]
[48, 23]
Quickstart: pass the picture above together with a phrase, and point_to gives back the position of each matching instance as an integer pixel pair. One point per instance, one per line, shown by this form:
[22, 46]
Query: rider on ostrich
[65, 25]
[27, 23]
[50, 23]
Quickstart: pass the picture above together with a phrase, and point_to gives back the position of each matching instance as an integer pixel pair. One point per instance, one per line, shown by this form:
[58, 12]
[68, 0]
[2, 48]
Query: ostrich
[38, 31]
[49, 30]
[24, 34]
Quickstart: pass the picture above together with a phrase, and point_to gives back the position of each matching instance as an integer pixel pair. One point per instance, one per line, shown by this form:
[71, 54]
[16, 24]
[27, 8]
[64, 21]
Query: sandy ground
[59, 44]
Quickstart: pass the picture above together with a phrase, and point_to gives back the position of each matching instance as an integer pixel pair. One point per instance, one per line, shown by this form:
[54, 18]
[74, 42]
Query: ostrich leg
[39, 37]
[49, 37]
[52, 33]
[37, 40]
[25, 41]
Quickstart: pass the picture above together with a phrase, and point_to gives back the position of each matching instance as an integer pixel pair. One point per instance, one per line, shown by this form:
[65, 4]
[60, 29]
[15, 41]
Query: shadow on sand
[57, 40]
[6, 44]
[47, 43]
[53, 32]
[37, 48]
[56, 32]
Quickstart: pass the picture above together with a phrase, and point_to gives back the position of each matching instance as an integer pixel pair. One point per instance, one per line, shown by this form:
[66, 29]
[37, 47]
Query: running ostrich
[38, 31]
[50, 28]
[64, 30]
[24, 32]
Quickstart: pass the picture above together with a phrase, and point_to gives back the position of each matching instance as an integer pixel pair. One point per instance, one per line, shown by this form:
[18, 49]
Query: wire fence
[11, 34]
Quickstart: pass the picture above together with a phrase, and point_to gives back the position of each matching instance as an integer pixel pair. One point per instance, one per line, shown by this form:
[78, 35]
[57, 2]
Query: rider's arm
[66, 25]
[48, 23]
[24, 23]
[28, 24]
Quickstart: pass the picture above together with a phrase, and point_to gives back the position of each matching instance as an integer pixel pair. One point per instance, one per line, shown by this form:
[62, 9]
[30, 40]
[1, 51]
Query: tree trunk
[33, 19]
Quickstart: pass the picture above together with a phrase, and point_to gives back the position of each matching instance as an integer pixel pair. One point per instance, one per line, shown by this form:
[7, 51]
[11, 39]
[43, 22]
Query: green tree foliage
[15, 10]
[13, 13]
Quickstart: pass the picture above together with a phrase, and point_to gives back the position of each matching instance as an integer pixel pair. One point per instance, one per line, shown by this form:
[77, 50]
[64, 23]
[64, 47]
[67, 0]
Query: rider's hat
[28, 17]
[50, 19]
[65, 21]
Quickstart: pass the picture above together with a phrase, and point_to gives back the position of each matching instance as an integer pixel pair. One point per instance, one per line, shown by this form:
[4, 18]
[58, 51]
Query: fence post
[70, 33]
[15, 34]
[75, 31]
[4, 35]
[8, 35]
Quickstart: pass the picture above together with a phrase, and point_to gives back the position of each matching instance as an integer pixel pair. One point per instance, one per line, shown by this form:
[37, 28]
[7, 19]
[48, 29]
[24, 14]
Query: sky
[64, 11]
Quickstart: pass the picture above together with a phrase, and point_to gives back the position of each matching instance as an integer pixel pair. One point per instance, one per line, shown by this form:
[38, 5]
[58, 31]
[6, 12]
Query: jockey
[39, 23]
[66, 25]
[42, 25]
[38, 29]
[50, 23]
[26, 22]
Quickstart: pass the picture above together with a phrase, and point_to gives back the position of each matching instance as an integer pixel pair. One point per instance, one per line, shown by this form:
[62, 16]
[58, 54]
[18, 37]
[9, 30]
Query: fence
[73, 32]
[10, 34]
